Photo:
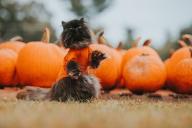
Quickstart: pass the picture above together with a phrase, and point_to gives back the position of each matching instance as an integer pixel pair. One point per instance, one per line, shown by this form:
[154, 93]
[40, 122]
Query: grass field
[122, 113]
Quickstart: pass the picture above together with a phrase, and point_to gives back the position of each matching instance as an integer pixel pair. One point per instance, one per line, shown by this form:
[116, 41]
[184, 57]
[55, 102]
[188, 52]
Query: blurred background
[163, 21]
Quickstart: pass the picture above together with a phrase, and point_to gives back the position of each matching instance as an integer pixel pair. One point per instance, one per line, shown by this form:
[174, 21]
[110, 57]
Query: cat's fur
[76, 86]
[96, 58]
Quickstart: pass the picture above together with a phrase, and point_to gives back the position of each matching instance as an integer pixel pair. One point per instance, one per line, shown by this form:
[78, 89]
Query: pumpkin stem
[46, 35]
[120, 45]
[190, 50]
[182, 43]
[101, 34]
[136, 42]
[187, 37]
[101, 39]
[147, 42]
[16, 38]
[145, 54]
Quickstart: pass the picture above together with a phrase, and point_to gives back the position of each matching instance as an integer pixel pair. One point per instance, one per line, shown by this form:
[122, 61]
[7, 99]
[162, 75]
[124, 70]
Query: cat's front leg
[96, 58]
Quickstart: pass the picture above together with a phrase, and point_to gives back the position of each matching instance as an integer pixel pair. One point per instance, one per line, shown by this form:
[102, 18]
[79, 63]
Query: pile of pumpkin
[139, 69]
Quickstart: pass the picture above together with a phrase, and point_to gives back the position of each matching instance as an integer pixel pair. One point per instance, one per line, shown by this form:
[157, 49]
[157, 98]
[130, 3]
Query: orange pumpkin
[181, 80]
[8, 56]
[134, 51]
[39, 63]
[109, 69]
[176, 61]
[7, 69]
[144, 73]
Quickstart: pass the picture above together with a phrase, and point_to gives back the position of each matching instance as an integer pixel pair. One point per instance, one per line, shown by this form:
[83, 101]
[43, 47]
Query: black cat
[77, 85]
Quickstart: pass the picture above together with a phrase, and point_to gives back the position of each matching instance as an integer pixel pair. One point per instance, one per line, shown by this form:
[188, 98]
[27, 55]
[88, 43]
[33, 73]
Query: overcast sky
[151, 18]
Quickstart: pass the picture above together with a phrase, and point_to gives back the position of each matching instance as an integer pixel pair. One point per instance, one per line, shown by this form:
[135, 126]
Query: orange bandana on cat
[81, 56]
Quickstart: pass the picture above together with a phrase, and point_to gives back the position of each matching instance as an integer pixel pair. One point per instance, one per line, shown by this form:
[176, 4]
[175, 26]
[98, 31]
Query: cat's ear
[82, 20]
[63, 23]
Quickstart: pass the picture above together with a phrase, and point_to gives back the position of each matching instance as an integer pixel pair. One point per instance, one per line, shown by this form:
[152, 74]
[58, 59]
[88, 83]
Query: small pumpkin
[39, 62]
[144, 73]
[8, 60]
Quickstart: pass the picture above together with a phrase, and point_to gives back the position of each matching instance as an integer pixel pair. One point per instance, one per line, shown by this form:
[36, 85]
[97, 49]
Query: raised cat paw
[96, 58]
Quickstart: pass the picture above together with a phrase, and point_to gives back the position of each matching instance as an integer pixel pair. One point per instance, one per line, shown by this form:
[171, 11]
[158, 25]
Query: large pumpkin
[144, 73]
[109, 69]
[39, 63]
[134, 51]
[7, 67]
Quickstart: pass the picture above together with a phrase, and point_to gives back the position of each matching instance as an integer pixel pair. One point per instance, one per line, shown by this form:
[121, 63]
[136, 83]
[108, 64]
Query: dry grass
[99, 113]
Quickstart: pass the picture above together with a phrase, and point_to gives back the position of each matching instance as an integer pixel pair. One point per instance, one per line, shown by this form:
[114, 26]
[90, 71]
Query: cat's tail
[73, 70]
